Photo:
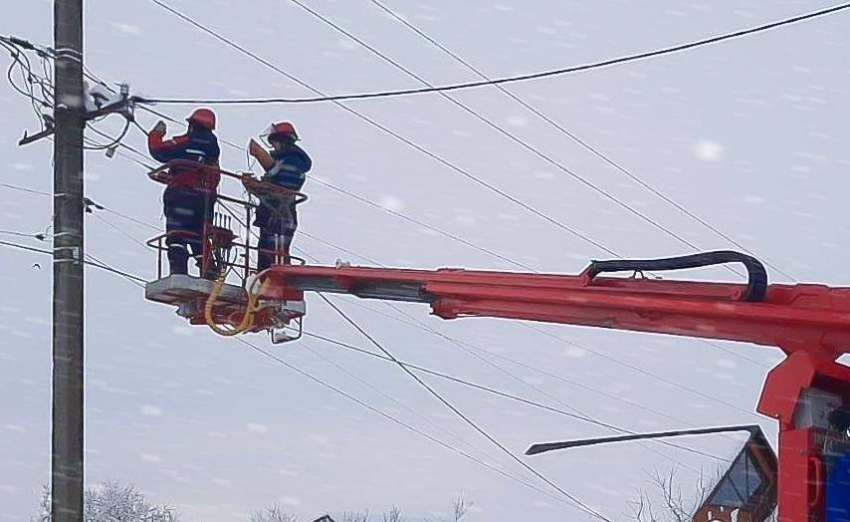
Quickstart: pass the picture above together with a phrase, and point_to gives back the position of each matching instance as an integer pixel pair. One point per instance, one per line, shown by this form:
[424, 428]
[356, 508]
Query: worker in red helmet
[190, 193]
[286, 165]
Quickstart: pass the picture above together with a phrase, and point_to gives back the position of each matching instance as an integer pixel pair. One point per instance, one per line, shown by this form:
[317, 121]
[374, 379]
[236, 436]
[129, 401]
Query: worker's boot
[178, 260]
[210, 271]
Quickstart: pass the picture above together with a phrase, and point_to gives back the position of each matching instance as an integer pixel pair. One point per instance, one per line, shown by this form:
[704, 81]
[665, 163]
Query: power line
[732, 353]
[387, 396]
[704, 395]
[103, 265]
[340, 248]
[419, 325]
[347, 193]
[582, 415]
[367, 201]
[474, 352]
[388, 131]
[414, 323]
[563, 130]
[95, 263]
[576, 415]
[519, 141]
[119, 230]
[28, 190]
[392, 419]
[38, 236]
[578, 503]
[422, 224]
[640, 370]
[98, 264]
[138, 281]
[26, 247]
[131, 218]
[513, 79]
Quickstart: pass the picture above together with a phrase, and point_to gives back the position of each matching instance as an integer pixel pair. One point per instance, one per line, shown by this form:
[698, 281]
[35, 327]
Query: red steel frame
[810, 323]
[212, 235]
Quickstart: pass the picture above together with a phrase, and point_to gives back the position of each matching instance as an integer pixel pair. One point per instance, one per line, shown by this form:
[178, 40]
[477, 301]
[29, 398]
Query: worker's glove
[159, 128]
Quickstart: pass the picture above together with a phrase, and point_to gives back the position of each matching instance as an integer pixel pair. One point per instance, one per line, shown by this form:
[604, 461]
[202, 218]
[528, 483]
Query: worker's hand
[160, 127]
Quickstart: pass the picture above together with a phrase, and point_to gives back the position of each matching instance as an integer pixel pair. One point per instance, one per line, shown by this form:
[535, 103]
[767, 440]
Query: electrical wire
[340, 190]
[102, 264]
[394, 420]
[421, 326]
[27, 190]
[640, 370]
[467, 347]
[422, 224]
[119, 230]
[131, 218]
[25, 247]
[575, 414]
[387, 396]
[99, 264]
[389, 131]
[582, 415]
[511, 79]
[93, 262]
[40, 237]
[475, 352]
[563, 130]
[519, 141]
[137, 151]
[578, 503]
[115, 141]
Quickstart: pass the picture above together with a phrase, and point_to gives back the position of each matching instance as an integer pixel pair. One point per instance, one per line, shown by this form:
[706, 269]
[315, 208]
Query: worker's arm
[261, 155]
[165, 150]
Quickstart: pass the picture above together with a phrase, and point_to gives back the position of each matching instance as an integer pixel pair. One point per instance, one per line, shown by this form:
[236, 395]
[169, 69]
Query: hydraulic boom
[810, 323]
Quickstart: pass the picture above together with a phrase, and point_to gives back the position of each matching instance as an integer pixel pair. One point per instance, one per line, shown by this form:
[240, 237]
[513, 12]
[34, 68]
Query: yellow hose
[251, 308]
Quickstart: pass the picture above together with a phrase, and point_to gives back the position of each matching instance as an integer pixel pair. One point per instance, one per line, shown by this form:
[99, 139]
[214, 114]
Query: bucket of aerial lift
[228, 257]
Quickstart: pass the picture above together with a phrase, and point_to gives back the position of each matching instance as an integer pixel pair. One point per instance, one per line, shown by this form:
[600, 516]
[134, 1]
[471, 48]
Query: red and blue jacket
[198, 145]
[290, 168]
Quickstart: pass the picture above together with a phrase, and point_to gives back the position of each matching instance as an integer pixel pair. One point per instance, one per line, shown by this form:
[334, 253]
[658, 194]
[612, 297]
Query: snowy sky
[745, 134]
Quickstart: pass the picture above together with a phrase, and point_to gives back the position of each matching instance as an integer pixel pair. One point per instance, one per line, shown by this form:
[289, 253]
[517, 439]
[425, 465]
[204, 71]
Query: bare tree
[272, 514]
[113, 502]
[393, 515]
[460, 508]
[669, 503]
[356, 516]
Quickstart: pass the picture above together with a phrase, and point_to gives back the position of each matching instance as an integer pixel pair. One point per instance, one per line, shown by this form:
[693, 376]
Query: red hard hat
[203, 118]
[283, 128]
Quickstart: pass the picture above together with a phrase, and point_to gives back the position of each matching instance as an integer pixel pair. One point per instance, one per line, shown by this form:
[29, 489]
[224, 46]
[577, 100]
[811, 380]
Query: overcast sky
[749, 135]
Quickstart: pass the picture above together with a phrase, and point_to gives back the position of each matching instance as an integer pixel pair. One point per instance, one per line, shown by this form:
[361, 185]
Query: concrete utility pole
[68, 210]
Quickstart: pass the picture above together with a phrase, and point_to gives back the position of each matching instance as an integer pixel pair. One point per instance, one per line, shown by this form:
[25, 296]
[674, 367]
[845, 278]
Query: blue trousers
[186, 213]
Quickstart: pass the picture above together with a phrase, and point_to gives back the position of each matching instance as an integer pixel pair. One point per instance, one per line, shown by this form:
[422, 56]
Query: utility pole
[68, 210]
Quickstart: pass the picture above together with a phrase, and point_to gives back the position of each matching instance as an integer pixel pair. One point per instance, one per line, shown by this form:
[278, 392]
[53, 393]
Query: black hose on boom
[756, 285]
